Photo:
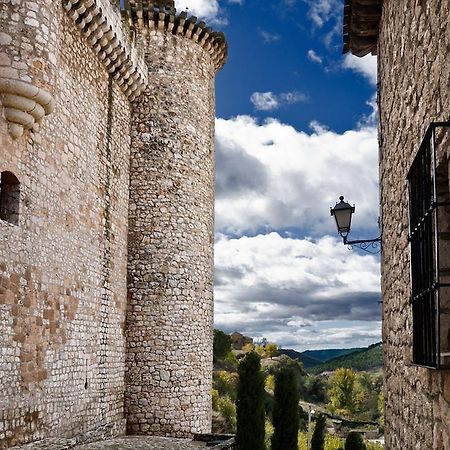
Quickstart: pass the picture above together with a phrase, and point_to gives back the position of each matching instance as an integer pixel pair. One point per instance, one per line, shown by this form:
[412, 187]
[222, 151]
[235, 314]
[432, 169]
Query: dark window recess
[9, 198]
[429, 235]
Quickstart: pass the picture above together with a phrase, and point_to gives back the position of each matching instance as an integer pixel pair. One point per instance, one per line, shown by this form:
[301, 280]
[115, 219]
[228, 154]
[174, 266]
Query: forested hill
[310, 358]
[367, 359]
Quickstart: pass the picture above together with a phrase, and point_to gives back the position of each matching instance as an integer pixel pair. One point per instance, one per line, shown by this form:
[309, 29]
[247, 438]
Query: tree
[271, 350]
[250, 404]
[286, 410]
[222, 345]
[355, 441]
[318, 437]
[342, 395]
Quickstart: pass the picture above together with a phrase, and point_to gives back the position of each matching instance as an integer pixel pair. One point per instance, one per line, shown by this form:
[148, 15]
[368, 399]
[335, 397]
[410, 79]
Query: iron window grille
[429, 236]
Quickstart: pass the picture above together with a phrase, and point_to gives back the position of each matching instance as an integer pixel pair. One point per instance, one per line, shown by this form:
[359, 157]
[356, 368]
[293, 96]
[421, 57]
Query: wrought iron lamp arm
[360, 241]
[372, 246]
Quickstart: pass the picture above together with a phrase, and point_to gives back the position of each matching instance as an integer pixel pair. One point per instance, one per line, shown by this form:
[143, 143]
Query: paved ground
[143, 443]
[121, 443]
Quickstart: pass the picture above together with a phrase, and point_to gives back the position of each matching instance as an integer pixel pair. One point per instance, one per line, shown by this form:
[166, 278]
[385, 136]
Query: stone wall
[63, 267]
[170, 315]
[414, 76]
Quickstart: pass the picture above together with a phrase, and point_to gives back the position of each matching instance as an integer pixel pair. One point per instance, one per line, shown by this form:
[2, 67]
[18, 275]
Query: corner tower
[171, 225]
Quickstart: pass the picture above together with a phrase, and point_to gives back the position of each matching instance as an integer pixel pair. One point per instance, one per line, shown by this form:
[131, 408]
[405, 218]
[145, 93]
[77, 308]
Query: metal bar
[361, 241]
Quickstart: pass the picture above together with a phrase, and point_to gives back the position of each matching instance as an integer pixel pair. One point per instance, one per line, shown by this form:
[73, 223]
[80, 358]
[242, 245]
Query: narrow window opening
[9, 198]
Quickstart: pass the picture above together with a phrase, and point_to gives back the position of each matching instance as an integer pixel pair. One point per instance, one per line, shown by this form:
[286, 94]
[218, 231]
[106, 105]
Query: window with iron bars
[429, 236]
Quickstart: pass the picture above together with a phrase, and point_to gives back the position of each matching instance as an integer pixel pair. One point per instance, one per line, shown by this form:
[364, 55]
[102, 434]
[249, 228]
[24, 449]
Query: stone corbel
[24, 105]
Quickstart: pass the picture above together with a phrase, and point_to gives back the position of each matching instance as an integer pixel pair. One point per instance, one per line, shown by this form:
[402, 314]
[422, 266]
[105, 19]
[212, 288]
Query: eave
[361, 26]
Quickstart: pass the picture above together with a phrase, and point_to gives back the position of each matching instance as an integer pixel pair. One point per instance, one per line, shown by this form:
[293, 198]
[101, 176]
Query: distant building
[412, 41]
[238, 340]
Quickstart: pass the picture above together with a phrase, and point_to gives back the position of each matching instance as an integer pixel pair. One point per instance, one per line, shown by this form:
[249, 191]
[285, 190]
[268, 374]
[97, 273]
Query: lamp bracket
[372, 246]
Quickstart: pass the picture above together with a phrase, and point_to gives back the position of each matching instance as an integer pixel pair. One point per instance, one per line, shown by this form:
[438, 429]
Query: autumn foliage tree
[342, 390]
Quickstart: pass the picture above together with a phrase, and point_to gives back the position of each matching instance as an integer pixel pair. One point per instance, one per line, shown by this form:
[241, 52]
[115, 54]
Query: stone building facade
[106, 219]
[412, 41]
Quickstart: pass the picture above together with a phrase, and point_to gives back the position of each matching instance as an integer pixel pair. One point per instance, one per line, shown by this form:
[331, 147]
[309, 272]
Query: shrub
[227, 409]
[250, 404]
[285, 411]
[318, 437]
[222, 345]
[355, 441]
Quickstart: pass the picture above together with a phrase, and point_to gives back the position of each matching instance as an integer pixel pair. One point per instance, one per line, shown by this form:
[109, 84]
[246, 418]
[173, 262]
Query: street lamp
[342, 213]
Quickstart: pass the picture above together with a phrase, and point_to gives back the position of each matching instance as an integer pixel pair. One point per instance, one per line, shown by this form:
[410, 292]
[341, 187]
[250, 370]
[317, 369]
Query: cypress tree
[355, 441]
[286, 410]
[318, 437]
[250, 404]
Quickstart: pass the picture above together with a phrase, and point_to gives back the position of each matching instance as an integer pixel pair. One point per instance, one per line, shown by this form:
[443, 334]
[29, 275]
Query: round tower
[171, 225]
[28, 60]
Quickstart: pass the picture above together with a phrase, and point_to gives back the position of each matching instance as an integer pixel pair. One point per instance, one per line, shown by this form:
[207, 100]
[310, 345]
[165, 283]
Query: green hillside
[311, 358]
[331, 353]
[367, 359]
[307, 361]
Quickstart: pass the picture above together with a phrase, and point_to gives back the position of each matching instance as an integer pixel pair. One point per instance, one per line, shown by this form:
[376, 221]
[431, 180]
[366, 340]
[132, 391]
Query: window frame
[424, 237]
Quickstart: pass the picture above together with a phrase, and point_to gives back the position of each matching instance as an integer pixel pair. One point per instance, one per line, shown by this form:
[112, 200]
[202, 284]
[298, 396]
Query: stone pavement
[121, 443]
[143, 443]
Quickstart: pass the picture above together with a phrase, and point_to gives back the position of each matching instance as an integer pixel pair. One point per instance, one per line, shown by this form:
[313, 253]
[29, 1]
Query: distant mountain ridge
[312, 358]
[370, 358]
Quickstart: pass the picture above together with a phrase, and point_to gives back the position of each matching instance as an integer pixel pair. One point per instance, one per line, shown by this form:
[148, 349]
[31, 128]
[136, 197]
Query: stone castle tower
[106, 219]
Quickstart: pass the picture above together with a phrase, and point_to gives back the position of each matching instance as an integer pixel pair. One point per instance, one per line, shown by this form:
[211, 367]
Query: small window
[429, 236]
[9, 198]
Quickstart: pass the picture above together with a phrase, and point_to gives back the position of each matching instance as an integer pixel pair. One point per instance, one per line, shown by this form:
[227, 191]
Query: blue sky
[295, 128]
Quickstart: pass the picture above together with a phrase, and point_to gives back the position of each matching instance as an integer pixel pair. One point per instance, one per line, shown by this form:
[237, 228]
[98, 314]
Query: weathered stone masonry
[412, 43]
[169, 320]
[69, 73]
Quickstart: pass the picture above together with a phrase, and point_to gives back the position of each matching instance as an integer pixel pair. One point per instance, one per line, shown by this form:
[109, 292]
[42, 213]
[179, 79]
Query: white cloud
[313, 56]
[271, 176]
[264, 101]
[206, 9]
[269, 38]
[366, 66]
[289, 290]
[321, 11]
[268, 101]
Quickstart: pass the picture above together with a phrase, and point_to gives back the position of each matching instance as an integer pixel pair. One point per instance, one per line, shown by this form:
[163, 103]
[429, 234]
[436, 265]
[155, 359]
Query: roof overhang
[361, 26]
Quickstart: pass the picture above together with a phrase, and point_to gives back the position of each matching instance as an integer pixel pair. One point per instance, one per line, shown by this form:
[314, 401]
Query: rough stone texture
[123, 443]
[63, 263]
[170, 272]
[63, 268]
[414, 70]
[144, 443]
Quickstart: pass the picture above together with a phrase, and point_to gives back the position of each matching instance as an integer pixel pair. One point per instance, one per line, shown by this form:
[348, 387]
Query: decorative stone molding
[103, 29]
[24, 105]
[146, 16]
[361, 26]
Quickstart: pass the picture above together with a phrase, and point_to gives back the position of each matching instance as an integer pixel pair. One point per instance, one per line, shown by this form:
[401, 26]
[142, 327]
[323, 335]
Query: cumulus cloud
[272, 176]
[268, 101]
[207, 9]
[313, 56]
[367, 66]
[281, 287]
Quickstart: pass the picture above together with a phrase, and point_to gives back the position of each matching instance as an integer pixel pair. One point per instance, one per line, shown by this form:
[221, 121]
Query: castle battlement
[147, 16]
[101, 24]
